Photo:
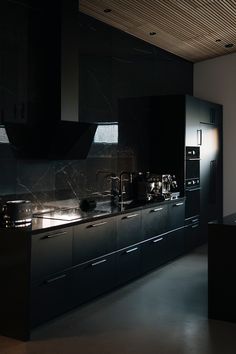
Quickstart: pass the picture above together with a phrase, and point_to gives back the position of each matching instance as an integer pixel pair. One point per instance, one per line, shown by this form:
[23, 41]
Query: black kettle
[16, 212]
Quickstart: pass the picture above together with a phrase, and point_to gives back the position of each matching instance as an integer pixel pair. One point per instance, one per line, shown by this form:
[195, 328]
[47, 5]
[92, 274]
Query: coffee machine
[147, 187]
[170, 189]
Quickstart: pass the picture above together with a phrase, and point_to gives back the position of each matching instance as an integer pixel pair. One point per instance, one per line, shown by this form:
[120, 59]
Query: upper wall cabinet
[95, 70]
[14, 52]
[198, 112]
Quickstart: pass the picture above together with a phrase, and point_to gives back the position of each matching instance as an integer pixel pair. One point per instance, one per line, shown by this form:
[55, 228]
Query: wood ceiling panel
[187, 28]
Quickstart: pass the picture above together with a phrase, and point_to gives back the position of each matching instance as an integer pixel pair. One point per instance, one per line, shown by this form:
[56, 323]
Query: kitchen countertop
[103, 210]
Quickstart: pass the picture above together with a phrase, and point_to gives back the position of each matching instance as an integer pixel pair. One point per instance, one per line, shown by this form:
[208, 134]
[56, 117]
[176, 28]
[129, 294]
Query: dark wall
[112, 66]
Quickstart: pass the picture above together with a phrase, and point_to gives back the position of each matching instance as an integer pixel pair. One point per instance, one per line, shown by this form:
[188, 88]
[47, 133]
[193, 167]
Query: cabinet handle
[179, 204]
[49, 281]
[194, 226]
[199, 136]
[55, 235]
[132, 250]
[97, 224]
[155, 210]
[130, 216]
[157, 239]
[195, 220]
[194, 159]
[98, 262]
[193, 189]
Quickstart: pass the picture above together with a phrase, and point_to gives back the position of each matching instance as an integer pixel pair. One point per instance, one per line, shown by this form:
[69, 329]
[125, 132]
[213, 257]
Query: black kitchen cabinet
[93, 278]
[221, 269]
[59, 269]
[154, 220]
[15, 283]
[129, 229]
[51, 252]
[176, 214]
[193, 235]
[94, 239]
[50, 297]
[190, 122]
[210, 175]
[128, 263]
[204, 129]
[175, 243]
[154, 253]
[14, 19]
[129, 234]
[165, 245]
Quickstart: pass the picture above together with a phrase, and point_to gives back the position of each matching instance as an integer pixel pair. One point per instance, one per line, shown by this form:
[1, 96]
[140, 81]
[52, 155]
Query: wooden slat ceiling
[192, 29]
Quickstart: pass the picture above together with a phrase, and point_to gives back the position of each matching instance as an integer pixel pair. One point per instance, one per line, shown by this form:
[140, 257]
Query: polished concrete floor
[164, 312]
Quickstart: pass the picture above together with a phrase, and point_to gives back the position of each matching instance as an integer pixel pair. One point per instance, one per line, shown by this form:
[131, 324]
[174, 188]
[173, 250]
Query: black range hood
[63, 140]
[52, 128]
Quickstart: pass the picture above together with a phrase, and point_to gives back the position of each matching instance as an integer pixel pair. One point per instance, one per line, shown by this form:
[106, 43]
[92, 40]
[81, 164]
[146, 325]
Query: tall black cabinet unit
[185, 139]
[191, 128]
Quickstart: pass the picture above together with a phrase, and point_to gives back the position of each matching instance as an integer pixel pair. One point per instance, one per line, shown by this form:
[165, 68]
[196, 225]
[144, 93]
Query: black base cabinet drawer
[192, 236]
[154, 220]
[176, 214]
[128, 264]
[93, 278]
[175, 243]
[51, 252]
[50, 298]
[92, 240]
[154, 253]
[129, 229]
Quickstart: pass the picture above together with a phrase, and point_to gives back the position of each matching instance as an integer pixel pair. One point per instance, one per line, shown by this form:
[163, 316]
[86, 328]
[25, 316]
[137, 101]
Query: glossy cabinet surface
[94, 239]
[77, 263]
[176, 214]
[92, 279]
[129, 229]
[128, 263]
[50, 297]
[175, 243]
[14, 61]
[51, 252]
[155, 220]
[154, 253]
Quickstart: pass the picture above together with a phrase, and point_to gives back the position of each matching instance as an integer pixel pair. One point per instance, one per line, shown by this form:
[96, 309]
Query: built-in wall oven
[192, 181]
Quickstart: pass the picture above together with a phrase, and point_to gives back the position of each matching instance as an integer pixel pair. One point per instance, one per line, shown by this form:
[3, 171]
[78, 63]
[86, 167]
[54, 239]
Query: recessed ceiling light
[229, 45]
[152, 33]
[107, 10]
